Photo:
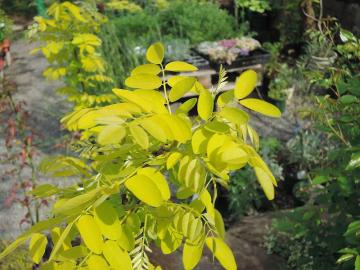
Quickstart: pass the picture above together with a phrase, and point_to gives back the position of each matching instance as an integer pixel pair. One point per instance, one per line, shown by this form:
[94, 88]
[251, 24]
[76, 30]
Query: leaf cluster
[71, 46]
[141, 150]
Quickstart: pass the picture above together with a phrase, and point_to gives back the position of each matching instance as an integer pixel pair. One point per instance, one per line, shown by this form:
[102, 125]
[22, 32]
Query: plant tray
[256, 57]
[195, 59]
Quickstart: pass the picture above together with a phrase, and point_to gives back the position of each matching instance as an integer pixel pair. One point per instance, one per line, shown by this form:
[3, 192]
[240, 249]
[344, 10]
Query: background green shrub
[127, 34]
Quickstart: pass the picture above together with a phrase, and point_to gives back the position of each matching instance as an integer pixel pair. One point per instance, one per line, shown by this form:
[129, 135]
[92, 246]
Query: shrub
[132, 152]
[127, 36]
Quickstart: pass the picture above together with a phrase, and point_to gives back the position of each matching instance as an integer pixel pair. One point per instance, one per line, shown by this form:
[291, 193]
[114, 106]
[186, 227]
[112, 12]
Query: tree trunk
[309, 11]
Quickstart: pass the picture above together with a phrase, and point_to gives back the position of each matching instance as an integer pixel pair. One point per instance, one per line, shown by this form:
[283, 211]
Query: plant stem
[165, 91]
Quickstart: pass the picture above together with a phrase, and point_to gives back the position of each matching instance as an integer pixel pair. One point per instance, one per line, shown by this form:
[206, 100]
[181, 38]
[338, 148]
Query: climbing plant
[149, 174]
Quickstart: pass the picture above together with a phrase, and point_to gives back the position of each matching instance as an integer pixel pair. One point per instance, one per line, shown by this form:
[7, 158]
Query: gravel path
[45, 108]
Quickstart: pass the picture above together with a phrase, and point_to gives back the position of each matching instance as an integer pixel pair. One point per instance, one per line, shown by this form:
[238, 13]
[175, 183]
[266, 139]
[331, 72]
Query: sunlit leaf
[205, 104]
[90, 233]
[186, 106]
[222, 252]
[199, 141]
[143, 81]
[118, 258]
[96, 262]
[225, 98]
[155, 53]
[191, 255]
[173, 159]
[245, 84]
[127, 239]
[179, 66]
[37, 247]
[146, 69]
[139, 135]
[261, 106]
[111, 135]
[265, 183]
[158, 179]
[107, 220]
[234, 115]
[181, 88]
[219, 224]
[145, 190]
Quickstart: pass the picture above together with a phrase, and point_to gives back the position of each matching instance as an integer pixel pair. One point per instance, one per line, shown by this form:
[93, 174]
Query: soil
[245, 238]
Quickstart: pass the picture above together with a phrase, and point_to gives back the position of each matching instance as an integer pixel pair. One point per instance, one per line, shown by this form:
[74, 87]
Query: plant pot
[318, 62]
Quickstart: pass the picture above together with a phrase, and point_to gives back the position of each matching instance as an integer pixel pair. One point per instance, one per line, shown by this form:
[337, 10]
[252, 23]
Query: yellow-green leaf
[186, 106]
[245, 84]
[153, 98]
[173, 159]
[181, 88]
[219, 224]
[158, 179]
[156, 128]
[217, 127]
[146, 69]
[199, 141]
[222, 252]
[175, 79]
[55, 237]
[191, 255]
[49, 266]
[234, 115]
[256, 161]
[155, 53]
[37, 247]
[261, 106]
[179, 129]
[145, 190]
[184, 193]
[96, 262]
[90, 233]
[232, 153]
[133, 98]
[118, 258]
[225, 98]
[75, 204]
[107, 220]
[205, 104]
[205, 198]
[179, 66]
[143, 81]
[75, 11]
[63, 242]
[127, 239]
[139, 135]
[67, 266]
[265, 183]
[73, 253]
[171, 242]
[111, 135]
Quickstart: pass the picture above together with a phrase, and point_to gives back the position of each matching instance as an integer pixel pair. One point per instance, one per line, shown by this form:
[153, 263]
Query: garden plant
[135, 151]
[167, 151]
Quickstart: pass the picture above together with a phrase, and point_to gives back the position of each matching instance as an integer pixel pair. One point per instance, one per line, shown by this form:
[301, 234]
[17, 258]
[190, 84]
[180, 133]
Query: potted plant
[321, 51]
